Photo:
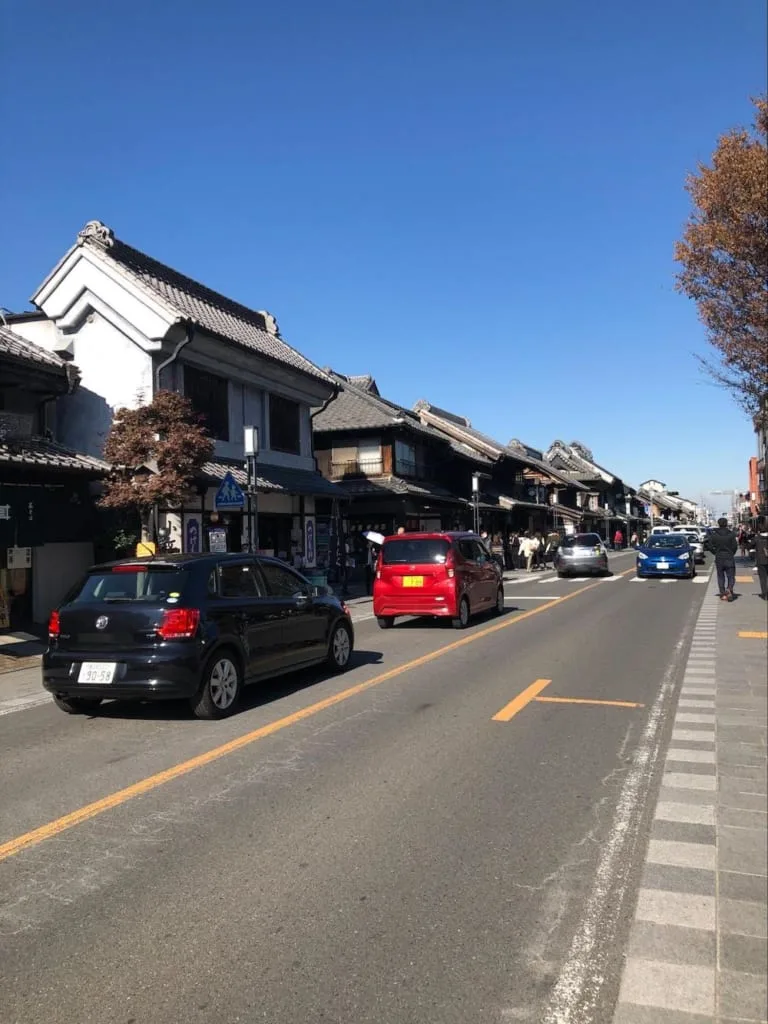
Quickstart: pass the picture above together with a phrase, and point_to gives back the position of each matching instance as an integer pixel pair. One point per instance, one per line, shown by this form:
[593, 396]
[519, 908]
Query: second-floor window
[209, 396]
[361, 459]
[284, 425]
[405, 458]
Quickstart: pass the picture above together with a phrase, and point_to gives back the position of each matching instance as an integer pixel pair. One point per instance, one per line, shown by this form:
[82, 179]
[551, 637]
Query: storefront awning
[277, 479]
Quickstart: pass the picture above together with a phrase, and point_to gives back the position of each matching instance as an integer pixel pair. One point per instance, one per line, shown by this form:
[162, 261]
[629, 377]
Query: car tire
[76, 705]
[462, 619]
[499, 606]
[221, 688]
[385, 621]
[562, 575]
[340, 647]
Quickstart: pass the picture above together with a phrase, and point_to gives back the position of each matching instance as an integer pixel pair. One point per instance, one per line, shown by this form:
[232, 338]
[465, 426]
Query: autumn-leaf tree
[155, 451]
[723, 257]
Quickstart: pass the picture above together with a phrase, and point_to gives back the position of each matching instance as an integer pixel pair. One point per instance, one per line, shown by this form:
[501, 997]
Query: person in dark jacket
[723, 544]
[761, 558]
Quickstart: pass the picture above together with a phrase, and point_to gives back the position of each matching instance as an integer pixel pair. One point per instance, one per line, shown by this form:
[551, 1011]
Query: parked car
[581, 553]
[448, 575]
[193, 627]
[667, 554]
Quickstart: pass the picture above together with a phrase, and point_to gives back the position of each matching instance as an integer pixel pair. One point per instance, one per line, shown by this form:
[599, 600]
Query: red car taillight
[54, 625]
[179, 623]
[450, 565]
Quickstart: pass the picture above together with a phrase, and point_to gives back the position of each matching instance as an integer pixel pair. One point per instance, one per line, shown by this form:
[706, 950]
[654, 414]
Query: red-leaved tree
[723, 257]
[156, 451]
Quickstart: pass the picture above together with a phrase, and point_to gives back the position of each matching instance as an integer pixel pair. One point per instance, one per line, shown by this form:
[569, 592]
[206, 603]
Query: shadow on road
[254, 696]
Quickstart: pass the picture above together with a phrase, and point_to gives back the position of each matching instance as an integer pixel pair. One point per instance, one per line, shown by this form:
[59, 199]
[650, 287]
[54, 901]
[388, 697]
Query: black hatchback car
[195, 627]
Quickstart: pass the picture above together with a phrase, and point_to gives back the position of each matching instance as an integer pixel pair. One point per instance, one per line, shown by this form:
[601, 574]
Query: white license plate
[662, 565]
[97, 672]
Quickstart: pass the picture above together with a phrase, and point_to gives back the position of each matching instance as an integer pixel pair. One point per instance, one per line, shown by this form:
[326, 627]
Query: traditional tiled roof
[577, 458]
[39, 453]
[399, 486]
[357, 408]
[188, 299]
[460, 429]
[278, 479]
[13, 345]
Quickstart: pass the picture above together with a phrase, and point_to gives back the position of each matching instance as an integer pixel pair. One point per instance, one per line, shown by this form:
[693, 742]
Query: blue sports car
[666, 554]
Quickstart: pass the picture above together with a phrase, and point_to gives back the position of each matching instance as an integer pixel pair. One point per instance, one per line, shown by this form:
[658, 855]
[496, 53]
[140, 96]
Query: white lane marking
[7, 707]
[701, 579]
[577, 990]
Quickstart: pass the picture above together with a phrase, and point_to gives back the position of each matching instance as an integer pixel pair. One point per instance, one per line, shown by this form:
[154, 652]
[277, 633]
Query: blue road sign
[229, 494]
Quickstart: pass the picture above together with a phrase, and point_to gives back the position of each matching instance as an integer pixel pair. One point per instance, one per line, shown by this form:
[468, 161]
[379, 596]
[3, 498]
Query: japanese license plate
[662, 565]
[97, 672]
[413, 581]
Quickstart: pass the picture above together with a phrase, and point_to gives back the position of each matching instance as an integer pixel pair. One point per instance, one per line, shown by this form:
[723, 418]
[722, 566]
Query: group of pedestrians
[724, 543]
[530, 550]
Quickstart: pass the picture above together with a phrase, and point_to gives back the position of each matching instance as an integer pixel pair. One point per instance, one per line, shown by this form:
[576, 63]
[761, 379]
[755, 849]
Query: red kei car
[449, 575]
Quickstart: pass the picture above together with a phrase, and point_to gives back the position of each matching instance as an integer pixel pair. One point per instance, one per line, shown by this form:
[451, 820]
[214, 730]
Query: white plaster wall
[113, 372]
[55, 568]
[39, 332]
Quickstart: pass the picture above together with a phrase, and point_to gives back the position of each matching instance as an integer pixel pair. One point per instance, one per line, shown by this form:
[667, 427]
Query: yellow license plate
[413, 581]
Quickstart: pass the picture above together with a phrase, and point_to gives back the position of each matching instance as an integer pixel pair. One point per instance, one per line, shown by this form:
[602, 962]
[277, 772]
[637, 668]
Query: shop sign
[19, 558]
[5, 511]
[192, 536]
[310, 555]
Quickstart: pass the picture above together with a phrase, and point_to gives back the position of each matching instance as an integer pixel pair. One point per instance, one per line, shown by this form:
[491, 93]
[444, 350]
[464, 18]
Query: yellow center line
[750, 635]
[744, 579]
[122, 796]
[520, 701]
[582, 700]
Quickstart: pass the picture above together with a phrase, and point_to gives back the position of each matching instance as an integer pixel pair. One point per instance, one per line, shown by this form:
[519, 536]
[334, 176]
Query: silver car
[581, 553]
[697, 545]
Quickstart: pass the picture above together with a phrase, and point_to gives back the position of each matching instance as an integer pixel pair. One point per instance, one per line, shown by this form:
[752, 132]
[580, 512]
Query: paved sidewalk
[697, 950]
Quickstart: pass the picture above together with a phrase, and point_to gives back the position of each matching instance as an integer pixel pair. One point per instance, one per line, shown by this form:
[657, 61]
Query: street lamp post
[251, 448]
[476, 501]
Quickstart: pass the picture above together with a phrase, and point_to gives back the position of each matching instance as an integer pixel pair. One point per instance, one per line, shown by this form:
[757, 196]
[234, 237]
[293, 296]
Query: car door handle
[301, 599]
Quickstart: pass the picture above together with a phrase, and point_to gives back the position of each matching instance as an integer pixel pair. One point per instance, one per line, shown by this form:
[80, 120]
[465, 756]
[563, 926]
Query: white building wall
[114, 373]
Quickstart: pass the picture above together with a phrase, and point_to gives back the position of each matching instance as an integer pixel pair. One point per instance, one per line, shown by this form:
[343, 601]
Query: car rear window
[667, 540]
[581, 540]
[415, 551]
[131, 583]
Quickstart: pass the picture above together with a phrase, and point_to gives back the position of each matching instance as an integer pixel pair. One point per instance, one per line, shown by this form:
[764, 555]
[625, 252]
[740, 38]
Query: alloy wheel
[341, 646]
[223, 684]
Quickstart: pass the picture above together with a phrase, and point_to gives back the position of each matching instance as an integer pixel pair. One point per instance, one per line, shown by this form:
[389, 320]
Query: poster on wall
[310, 550]
[217, 540]
[192, 535]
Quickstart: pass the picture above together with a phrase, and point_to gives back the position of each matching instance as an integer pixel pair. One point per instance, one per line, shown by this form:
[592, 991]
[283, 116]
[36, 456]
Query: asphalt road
[374, 847]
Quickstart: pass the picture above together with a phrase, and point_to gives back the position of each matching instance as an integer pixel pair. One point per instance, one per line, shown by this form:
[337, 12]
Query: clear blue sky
[476, 201]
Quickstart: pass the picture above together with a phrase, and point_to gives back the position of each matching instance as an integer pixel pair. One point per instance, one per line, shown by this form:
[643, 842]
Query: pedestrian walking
[497, 550]
[527, 551]
[618, 540]
[743, 542]
[634, 540]
[514, 551]
[553, 543]
[723, 544]
[761, 558]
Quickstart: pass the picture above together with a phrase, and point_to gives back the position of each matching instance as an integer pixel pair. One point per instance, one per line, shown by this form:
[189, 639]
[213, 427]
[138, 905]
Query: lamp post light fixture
[251, 449]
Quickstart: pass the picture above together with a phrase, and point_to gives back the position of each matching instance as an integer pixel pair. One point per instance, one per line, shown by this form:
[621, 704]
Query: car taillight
[54, 625]
[179, 623]
[450, 565]
[345, 608]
